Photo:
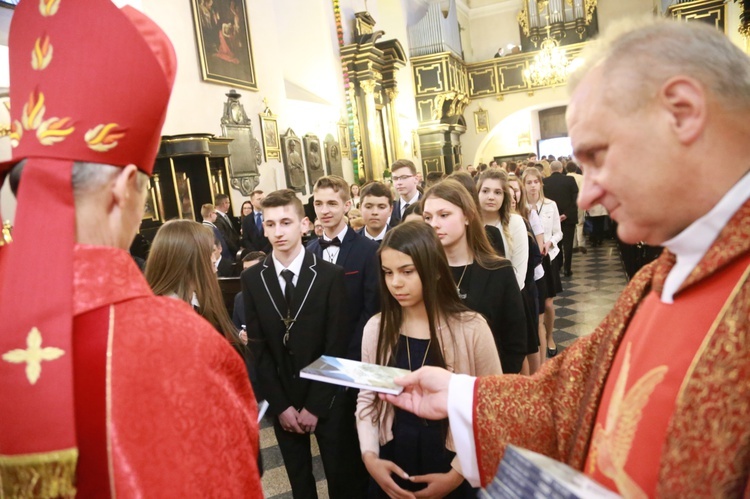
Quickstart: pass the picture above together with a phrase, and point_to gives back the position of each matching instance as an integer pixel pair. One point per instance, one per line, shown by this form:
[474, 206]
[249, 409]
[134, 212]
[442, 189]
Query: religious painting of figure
[223, 36]
[314, 157]
[293, 163]
[270, 136]
[333, 156]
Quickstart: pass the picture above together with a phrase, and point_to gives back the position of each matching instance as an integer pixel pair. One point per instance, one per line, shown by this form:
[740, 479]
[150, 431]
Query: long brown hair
[180, 262]
[522, 207]
[452, 191]
[504, 210]
[419, 241]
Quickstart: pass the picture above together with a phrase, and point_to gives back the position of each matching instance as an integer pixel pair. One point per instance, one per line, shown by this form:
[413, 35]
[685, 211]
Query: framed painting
[269, 131]
[152, 209]
[313, 158]
[294, 166]
[481, 120]
[344, 140]
[224, 48]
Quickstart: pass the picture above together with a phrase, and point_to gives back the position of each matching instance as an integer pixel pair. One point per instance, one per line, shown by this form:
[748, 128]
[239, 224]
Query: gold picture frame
[481, 120]
[344, 140]
[152, 209]
[224, 48]
[269, 131]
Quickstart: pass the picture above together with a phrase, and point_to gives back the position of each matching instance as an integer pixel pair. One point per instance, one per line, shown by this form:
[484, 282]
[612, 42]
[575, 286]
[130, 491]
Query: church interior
[274, 94]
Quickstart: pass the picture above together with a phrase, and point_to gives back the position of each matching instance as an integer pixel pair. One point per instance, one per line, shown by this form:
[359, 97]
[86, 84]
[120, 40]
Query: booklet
[354, 374]
[523, 473]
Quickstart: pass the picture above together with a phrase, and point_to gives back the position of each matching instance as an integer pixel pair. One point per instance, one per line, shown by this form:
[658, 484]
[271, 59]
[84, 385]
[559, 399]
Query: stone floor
[598, 278]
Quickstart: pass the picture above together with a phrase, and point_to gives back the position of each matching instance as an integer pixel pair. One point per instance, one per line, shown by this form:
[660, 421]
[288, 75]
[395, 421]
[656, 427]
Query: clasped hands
[298, 421]
[438, 484]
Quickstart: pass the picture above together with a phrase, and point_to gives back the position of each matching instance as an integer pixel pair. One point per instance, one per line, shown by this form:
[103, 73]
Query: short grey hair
[639, 55]
[555, 166]
[86, 177]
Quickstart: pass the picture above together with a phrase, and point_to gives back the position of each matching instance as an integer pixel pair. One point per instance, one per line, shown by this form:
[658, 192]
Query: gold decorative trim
[39, 475]
[33, 355]
[7, 233]
[108, 401]
[421, 69]
[493, 79]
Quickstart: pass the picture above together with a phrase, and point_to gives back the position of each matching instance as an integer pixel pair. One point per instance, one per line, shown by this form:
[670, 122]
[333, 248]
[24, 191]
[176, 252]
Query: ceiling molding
[501, 7]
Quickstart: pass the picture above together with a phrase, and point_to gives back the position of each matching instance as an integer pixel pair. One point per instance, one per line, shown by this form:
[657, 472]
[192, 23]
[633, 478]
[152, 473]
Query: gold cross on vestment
[33, 355]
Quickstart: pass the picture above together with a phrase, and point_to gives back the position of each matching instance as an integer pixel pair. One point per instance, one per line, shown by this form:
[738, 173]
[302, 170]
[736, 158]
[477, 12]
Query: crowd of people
[113, 371]
[458, 274]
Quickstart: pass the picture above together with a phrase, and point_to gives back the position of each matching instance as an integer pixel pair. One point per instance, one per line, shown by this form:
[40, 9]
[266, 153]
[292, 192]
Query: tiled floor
[598, 278]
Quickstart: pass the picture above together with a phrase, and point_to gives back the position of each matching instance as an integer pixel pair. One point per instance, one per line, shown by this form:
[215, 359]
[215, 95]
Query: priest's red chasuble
[673, 378]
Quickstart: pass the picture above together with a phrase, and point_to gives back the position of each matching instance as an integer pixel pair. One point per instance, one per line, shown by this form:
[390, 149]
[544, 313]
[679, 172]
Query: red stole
[654, 360]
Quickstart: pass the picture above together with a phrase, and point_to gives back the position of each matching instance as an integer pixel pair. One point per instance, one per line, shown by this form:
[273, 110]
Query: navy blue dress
[418, 445]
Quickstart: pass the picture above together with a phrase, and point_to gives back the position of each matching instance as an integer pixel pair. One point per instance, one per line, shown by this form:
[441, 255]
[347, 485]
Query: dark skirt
[552, 276]
[530, 307]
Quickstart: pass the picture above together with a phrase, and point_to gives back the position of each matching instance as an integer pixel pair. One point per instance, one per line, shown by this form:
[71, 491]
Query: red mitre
[88, 82]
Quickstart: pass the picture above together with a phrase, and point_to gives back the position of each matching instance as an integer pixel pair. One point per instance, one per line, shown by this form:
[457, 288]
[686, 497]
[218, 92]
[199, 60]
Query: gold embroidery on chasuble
[554, 411]
[611, 445]
[33, 355]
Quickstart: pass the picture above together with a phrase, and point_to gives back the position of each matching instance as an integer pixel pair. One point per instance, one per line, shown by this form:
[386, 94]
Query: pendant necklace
[458, 286]
[408, 353]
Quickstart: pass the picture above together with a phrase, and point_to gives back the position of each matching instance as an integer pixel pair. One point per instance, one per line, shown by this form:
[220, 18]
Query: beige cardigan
[474, 353]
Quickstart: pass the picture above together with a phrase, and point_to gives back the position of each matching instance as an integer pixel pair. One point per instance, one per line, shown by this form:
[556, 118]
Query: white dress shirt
[295, 266]
[517, 249]
[689, 246]
[331, 253]
[379, 237]
[403, 204]
[550, 217]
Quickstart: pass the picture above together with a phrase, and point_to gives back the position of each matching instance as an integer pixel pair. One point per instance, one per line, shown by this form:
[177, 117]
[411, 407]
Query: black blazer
[318, 304]
[252, 239]
[563, 190]
[228, 231]
[495, 294]
[396, 212]
[358, 257]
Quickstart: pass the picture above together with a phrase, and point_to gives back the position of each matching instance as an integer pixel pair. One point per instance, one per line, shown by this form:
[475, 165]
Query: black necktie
[288, 275]
[333, 242]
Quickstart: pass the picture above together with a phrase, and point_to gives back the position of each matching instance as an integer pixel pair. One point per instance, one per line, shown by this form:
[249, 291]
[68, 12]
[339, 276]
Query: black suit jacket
[495, 295]
[231, 236]
[318, 304]
[358, 257]
[563, 190]
[396, 212]
[252, 239]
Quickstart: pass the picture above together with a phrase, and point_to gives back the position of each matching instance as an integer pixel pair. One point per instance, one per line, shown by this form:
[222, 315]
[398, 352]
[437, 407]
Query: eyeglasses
[402, 177]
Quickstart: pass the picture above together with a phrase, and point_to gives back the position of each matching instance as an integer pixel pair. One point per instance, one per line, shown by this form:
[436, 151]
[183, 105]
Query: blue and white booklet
[354, 374]
[526, 474]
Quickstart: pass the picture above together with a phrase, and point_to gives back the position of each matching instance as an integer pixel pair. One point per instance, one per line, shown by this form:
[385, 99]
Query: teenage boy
[294, 312]
[358, 257]
[404, 175]
[375, 203]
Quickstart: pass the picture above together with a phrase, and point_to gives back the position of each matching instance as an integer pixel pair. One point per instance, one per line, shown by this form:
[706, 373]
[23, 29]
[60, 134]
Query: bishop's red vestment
[164, 406]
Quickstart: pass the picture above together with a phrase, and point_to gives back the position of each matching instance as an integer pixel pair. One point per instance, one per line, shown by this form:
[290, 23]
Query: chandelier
[550, 66]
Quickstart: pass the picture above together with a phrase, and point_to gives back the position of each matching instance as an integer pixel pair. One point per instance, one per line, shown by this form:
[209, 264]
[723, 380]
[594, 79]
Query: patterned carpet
[598, 279]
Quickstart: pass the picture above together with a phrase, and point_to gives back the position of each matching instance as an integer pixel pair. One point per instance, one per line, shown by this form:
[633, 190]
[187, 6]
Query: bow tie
[333, 242]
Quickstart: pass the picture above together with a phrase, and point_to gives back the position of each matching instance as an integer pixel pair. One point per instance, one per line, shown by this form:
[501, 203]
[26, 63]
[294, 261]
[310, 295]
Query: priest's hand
[438, 484]
[288, 420]
[307, 420]
[425, 393]
[380, 470]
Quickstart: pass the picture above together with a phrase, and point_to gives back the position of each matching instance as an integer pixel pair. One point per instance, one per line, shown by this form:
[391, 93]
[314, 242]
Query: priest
[106, 390]
[655, 402]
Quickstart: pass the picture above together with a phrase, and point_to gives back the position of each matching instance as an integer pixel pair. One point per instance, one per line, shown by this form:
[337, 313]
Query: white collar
[295, 266]
[340, 235]
[411, 201]
[210, 224]
[691, 245]
[379, 237]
